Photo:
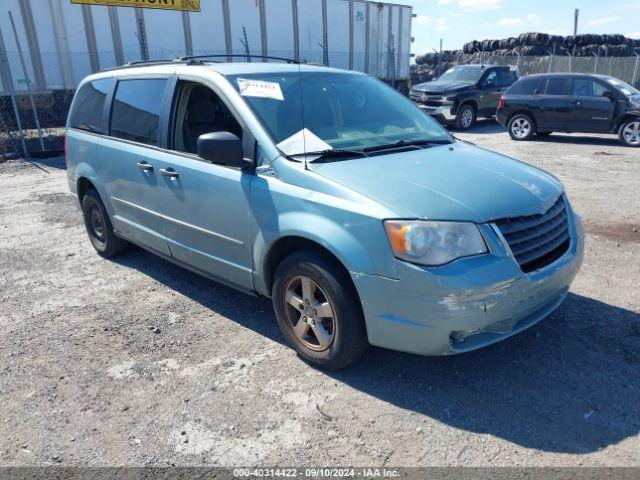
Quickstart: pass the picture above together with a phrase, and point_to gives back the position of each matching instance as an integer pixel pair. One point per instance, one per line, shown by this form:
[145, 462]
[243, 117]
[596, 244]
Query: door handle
[147, 167]
[576, 102]
[169, 172]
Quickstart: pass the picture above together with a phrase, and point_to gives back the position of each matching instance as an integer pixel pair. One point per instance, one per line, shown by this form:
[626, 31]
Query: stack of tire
[527, 44]
[426, 66]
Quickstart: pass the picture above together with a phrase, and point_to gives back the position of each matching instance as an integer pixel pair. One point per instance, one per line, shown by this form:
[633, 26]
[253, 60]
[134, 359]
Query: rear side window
[507, 77]
[557, 86]
[136, 110]
[526, 86]
[89, 106]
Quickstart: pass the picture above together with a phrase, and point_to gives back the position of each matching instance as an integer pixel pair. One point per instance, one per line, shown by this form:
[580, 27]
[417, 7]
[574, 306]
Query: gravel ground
[138, 362]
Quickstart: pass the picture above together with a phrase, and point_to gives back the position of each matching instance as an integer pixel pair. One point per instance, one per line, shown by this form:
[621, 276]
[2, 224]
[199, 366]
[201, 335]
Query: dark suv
[542, 104]
[463, 93]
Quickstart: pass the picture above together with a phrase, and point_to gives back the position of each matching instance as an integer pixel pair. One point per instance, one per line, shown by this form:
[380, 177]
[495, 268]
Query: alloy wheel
[467, 118]
[631, 133]
[310, 313]
[521, 127]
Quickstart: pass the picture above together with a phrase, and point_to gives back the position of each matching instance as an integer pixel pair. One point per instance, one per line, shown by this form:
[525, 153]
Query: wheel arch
[86, 178]
[522, 111]
[468, 101]
[83, 184]
[287, 245]
[626, 117]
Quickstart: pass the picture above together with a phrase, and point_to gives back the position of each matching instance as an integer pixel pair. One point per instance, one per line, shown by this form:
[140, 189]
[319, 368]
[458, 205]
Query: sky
[460, 21]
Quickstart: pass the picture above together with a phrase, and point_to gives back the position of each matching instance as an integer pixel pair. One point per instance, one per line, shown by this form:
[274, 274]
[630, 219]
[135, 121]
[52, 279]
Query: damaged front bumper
[465, 305]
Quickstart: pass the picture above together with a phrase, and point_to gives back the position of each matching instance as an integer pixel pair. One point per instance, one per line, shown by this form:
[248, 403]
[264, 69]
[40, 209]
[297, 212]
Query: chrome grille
[537, 240]
[426, 99]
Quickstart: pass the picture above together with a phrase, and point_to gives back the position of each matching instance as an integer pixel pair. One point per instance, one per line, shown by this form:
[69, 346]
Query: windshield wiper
[330, 154]
[406, 143]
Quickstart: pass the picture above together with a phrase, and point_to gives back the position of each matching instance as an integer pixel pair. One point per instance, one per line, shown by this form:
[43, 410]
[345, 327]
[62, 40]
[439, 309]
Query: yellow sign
[188, 5]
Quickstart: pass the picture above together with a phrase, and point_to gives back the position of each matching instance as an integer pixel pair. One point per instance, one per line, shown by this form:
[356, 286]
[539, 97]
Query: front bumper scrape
[468, 304]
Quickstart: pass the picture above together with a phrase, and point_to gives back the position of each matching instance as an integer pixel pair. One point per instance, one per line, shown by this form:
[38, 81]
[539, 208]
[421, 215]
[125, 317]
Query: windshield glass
[462, 74]
[317, 111]
[624, 87]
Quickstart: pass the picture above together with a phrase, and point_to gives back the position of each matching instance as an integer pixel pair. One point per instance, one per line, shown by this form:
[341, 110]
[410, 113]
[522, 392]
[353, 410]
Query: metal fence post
[392, 62]
[142, 34]
[610, 65]
[573, 57]
[26, 76]
[7, 79]
[520, 62]
[635, 70]
[595, 65]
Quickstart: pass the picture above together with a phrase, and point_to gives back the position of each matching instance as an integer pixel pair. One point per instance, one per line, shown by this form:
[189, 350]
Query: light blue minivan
[362, 218]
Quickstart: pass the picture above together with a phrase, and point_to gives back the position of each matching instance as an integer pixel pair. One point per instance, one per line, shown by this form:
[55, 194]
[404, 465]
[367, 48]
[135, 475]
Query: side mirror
[490, 84]
[223, 148]
[608, 94]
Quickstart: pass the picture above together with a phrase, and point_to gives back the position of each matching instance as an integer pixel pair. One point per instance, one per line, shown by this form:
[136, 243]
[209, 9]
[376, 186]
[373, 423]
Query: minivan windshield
[462, 74]
[318, 111]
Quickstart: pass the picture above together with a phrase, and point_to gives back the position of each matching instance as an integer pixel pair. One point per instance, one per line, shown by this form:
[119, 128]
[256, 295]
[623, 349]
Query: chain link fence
[625, 68]
[33, 115]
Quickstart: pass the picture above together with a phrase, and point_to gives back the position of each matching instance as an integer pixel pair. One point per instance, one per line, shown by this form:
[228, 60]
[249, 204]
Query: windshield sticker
[305, 141]
[260, 88]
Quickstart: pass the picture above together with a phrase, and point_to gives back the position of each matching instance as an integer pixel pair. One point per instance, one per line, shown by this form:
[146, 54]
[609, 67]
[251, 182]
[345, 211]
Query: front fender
[351, 232]
[346, 245]
[470, 96]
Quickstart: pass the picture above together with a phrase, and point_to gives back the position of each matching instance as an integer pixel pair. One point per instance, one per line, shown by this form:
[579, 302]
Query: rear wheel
[521, 127]
[466, 117]
[629, 133]
[318, 310]
[99, 227]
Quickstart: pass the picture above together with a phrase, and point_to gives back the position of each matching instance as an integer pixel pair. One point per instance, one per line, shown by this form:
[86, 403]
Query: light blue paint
[222, 222]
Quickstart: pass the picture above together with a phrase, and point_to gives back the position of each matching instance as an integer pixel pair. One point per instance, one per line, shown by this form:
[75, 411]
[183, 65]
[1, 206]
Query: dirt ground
[138, 362]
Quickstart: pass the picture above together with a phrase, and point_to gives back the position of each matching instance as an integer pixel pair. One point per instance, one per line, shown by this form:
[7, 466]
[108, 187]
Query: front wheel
[465, 118]
[521, 127]
[318, 310]
[629, 133]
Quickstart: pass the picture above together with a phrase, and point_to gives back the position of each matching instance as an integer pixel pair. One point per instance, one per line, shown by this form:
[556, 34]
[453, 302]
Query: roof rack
[140, 63]
[196, 58]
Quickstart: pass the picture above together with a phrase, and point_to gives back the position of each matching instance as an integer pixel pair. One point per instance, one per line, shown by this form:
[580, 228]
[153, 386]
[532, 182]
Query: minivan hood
[448, 182]
[442, 87]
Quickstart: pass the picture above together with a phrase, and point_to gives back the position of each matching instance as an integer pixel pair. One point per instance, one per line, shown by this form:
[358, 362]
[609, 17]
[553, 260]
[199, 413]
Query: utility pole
[575, 21]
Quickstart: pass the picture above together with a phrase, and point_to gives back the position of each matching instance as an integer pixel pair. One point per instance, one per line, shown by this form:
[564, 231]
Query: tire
[521, 127]
[629, 132]
[466, 117]
[327, 342]
[99, 227]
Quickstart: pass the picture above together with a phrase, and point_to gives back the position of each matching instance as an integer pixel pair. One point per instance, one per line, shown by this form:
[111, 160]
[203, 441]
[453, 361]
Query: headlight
[434, 243]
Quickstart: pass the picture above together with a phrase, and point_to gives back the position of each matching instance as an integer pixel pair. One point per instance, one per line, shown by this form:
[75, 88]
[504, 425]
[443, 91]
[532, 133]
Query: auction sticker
[260, 88]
